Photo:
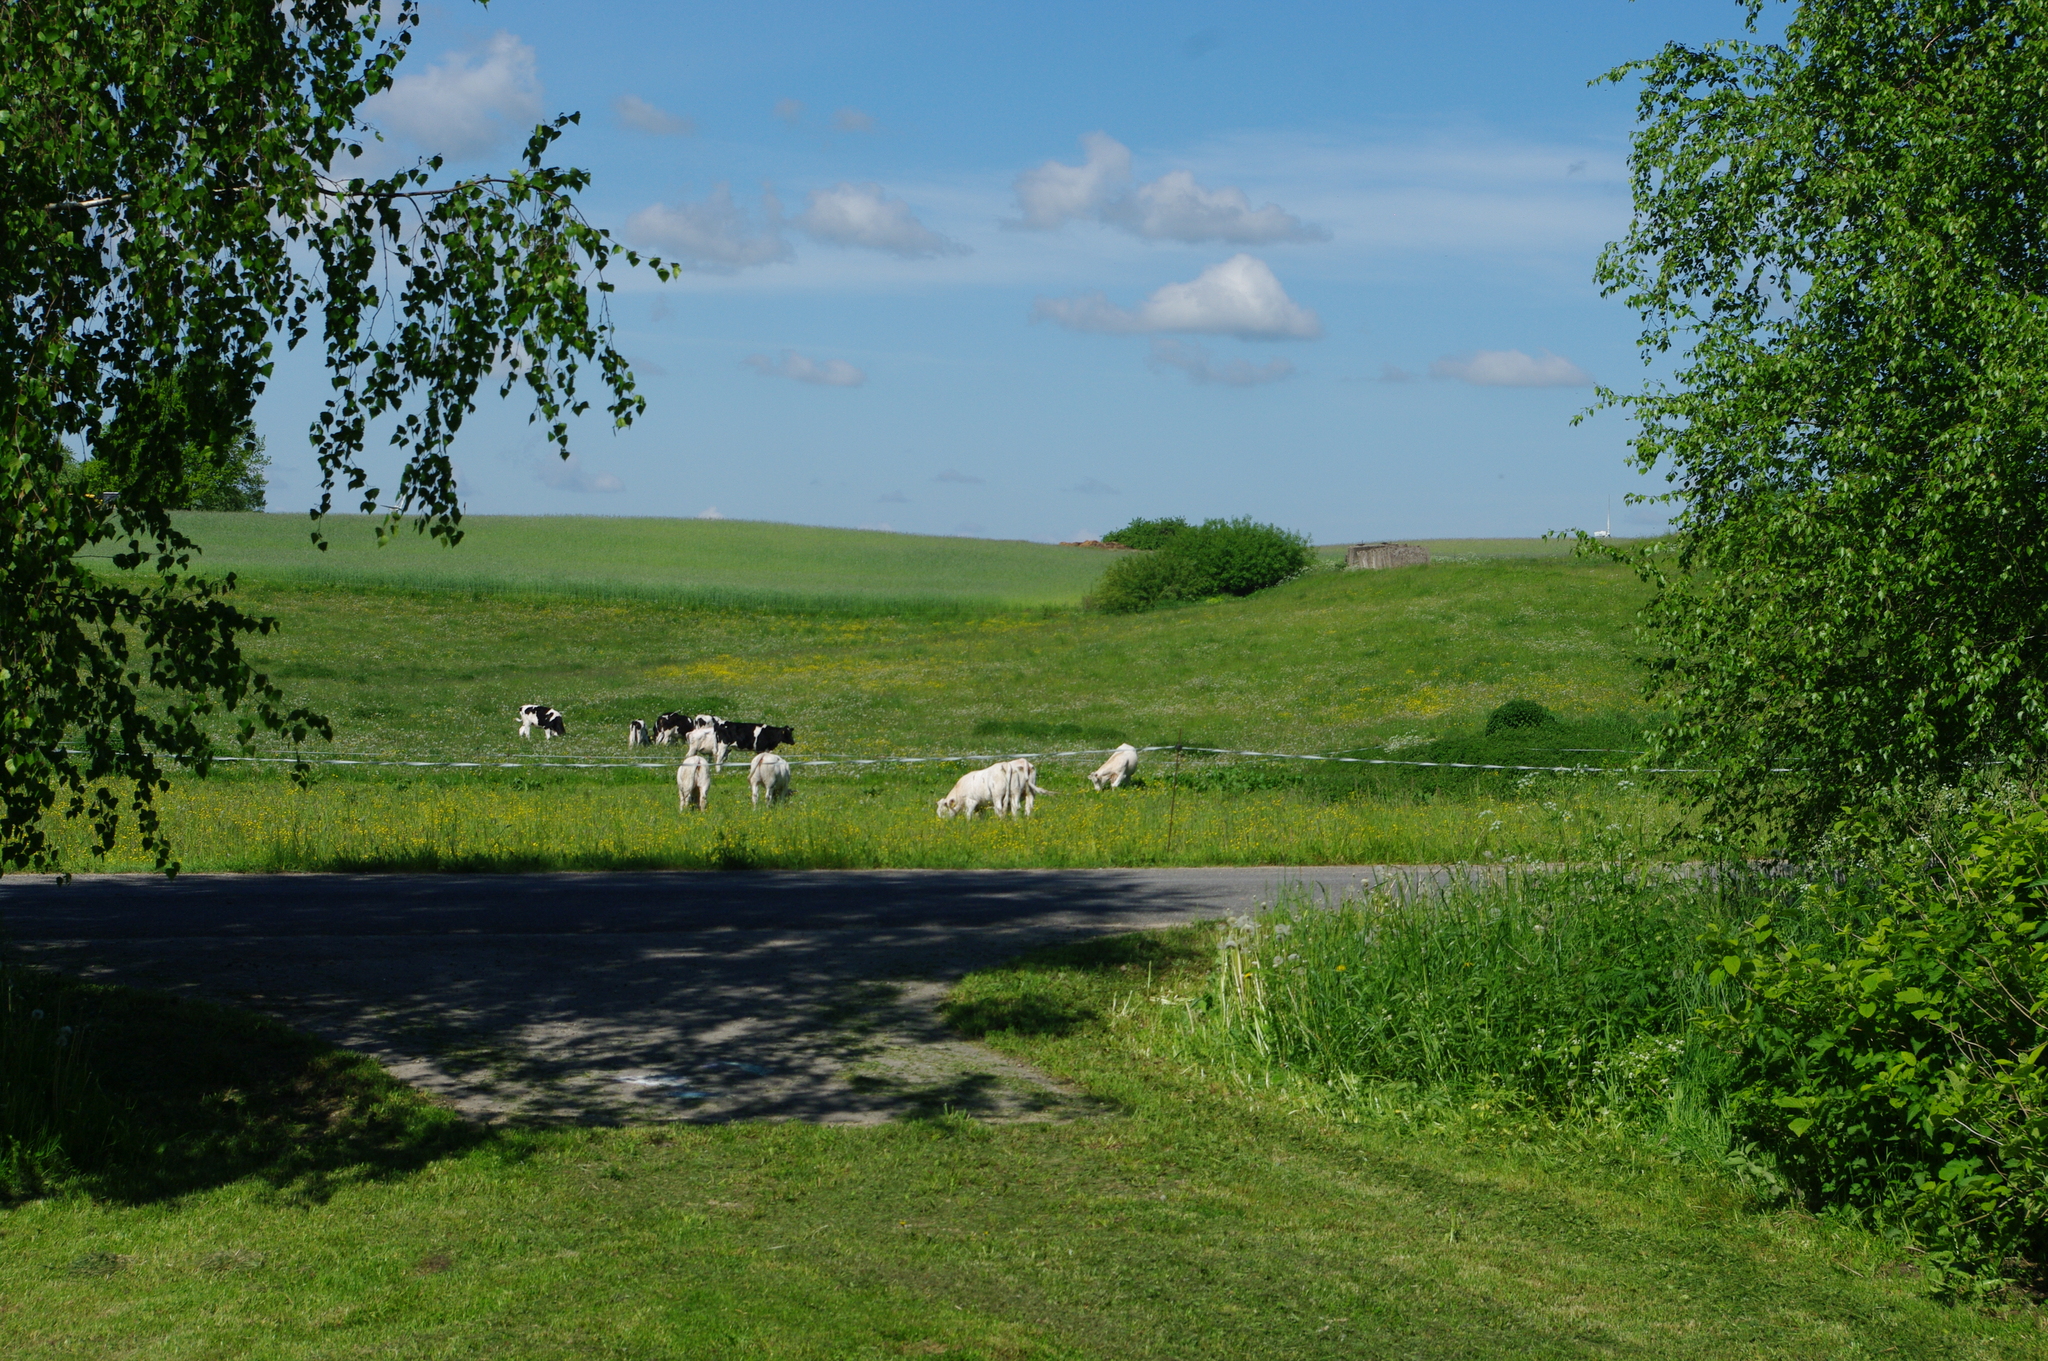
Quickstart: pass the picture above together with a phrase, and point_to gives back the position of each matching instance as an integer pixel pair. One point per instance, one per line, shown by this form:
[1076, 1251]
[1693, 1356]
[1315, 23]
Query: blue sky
[1027, 272]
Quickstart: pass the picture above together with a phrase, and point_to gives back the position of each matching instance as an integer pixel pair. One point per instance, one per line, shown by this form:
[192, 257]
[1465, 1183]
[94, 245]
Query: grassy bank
[734, 564]
[312, 1212]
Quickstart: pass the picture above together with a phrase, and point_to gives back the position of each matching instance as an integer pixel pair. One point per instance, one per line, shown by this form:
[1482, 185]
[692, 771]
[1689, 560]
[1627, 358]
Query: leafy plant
[1893, 1062]
[1518, 713]
[1216, 557]
[1840, 236]
[1147, 534]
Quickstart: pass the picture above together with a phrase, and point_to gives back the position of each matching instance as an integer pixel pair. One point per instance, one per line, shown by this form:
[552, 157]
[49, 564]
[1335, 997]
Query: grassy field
[717, 563]
[274, 1198]
[1385, 665]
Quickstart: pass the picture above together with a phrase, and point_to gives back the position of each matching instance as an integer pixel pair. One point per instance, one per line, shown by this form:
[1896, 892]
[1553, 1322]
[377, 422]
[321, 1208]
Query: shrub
[1216, 557]
[1518, 713]
[1147, 534]
[1892, 1061]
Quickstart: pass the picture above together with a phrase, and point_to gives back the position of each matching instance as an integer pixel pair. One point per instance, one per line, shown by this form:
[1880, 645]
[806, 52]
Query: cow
[693, 784]
[768, 774]
[976, 789]
[1121, 765]
[636, 734]
[704, 742]
[668, 728]
[549, 721]
[750, 737]
[1022, 778]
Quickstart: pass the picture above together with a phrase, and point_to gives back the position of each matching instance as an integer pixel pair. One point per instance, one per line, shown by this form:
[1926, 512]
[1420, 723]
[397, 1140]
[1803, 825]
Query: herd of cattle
[1006, 788]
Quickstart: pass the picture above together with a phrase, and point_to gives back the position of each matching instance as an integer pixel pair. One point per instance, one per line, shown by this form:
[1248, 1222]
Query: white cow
[693, 784]
[990, 787]
[768, 774]
[1022, 780]
[703, 741]
[1121, 765]
[636, 734]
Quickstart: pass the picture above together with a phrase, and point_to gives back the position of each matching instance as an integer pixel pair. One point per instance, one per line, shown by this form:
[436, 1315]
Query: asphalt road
[601, 998]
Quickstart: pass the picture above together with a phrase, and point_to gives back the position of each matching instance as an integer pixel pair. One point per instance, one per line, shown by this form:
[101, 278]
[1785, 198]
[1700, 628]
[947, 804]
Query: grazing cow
[1022, 783]
[990, 787]
[751, 736]
[1121, 765]
[693, 784]
[540, 716]
[668, 728]
[768, 774]
[636, 734]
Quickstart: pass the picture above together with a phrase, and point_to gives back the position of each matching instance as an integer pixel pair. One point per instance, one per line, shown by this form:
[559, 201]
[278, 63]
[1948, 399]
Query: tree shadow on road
[177, 1096]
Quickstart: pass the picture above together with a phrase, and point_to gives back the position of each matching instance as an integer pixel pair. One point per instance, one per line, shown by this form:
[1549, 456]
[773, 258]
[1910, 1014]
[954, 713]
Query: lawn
[1389, 666]
[280, 1200]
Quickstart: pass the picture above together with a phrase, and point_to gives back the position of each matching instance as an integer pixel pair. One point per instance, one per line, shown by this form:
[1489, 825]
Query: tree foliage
[177, 201]
[1192, 562]
[1840, 239]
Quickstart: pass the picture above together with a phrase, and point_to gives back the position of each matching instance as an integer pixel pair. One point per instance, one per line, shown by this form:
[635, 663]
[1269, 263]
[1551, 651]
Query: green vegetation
[1400, 666]
[1839, 259]
[1221, 1210]
[1196, 562]
[1517, 713]
[703, 564]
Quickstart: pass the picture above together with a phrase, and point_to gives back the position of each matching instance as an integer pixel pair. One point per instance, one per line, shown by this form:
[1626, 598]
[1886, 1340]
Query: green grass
[1387, 665]
[730, 564]
[1205, 1216]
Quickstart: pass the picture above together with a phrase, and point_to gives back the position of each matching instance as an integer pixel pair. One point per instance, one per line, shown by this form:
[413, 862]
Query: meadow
[1390, 666]
[269, 1196]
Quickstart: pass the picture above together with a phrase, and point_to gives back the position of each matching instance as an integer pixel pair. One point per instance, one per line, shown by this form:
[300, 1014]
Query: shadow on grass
[183, 1096]
[1064, 989]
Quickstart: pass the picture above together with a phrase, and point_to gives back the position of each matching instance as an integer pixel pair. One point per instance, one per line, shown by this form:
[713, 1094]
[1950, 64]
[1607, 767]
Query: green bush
[1518, 713]
[1146, 534]
[1216, 557]
[1892, 1061]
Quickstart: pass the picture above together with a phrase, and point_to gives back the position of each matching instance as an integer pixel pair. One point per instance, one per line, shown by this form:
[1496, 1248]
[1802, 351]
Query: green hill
[714, 563]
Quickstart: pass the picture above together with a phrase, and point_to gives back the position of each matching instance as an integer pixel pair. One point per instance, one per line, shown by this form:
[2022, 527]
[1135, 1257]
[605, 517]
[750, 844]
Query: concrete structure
[1376, 555]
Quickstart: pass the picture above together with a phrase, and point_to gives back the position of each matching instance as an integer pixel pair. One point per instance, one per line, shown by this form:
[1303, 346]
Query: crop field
[729, 563]
[1384, 666]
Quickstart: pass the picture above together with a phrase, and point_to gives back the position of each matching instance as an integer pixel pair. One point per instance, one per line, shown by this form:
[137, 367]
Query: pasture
[1392, 666]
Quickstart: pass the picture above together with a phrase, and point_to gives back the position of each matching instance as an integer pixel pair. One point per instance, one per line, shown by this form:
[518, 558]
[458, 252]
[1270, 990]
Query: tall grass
[52, 1113]
[1572, 990]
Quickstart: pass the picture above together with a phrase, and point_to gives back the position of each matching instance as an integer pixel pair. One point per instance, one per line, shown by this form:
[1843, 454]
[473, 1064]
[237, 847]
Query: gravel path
[605, 998]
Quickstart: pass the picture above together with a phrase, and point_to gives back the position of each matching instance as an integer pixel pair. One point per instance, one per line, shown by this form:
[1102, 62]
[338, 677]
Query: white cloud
[570, 475]
[636, 112]
[1053, 194]
[1239, 297]
[853, 120]
[1094, 487]
[1175, 208]
[1194, 361]
[831, 373]
[709, 513]
[464, 104]
[1511, 369]
[955, 475]
[716, 234]
[789, 110]
[862, 215]
[1171, 208]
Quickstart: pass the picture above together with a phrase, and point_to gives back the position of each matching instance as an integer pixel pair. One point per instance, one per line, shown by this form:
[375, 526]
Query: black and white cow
[670, 728]
[636, 734]
[549, 721]
[755, 736]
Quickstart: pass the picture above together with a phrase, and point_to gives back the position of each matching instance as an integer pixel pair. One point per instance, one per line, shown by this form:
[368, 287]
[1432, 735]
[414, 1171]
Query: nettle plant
[1892, 1062]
